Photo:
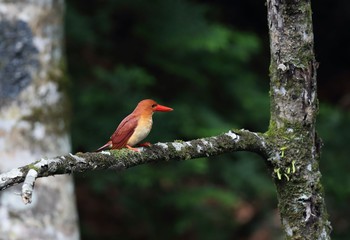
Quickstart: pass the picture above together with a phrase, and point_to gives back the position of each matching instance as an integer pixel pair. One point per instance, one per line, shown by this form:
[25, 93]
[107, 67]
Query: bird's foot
[145, 144]
[133, 149]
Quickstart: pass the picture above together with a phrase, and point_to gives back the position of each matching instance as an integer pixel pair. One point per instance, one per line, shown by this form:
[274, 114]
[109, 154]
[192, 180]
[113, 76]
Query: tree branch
[235, 140]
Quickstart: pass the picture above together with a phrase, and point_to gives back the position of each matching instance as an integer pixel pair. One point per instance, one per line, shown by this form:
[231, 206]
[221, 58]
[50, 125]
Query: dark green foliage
[123, 51]
[333, 127]
[120, 52]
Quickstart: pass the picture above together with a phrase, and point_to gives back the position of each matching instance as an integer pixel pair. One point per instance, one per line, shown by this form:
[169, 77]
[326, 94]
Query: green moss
[272, 128]
[30, 166]
[288, 150]
[122, 153]
[172, 149]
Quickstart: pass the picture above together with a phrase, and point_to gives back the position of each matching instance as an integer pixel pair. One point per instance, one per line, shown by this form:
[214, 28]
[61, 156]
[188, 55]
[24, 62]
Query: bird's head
[149, 105]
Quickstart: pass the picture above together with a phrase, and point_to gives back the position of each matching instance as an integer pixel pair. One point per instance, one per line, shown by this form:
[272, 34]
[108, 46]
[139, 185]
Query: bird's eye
[154, 105]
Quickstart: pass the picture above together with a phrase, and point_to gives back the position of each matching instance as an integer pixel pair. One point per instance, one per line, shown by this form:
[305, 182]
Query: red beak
[161, 108]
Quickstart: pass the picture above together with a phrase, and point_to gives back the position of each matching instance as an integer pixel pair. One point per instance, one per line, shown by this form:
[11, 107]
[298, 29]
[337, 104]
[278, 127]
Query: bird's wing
[124, 131]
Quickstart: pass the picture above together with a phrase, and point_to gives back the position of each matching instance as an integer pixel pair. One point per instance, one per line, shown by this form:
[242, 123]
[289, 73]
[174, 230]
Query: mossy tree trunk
[33, 114]
[294, 105]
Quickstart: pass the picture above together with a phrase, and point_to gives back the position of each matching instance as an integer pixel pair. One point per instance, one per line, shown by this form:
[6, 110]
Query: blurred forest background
[209, 61]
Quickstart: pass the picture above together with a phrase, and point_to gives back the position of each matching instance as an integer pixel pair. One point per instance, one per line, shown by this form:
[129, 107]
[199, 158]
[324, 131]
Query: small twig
[28, 186]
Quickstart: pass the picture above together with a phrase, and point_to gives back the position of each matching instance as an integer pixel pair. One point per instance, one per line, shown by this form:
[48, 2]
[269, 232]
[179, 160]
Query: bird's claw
[133, 149]
[145, 144]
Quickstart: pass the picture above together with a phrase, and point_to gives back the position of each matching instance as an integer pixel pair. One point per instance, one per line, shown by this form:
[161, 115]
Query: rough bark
[33, 112]
[293, 115]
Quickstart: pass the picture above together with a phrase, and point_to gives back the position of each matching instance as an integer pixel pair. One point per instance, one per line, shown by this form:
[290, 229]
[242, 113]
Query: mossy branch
[235, 140]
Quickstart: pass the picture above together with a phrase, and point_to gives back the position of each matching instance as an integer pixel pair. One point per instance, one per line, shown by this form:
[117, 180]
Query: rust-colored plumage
[135, 127]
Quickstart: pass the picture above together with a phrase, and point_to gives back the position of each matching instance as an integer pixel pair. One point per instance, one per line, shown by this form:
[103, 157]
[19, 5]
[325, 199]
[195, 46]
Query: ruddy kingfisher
[135, 127]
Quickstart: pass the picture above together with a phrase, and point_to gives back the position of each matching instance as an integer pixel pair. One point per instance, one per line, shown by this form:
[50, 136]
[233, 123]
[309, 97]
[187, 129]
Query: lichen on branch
[233, 140]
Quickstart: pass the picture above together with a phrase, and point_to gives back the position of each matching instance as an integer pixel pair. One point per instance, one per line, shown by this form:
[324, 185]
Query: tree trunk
[33, 118]
[294, 105]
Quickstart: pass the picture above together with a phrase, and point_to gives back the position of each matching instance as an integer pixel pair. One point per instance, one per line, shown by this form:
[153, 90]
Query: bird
[135, 127]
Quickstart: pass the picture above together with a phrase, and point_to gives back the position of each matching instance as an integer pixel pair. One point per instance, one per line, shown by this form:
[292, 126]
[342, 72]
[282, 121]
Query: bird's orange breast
[142, 130]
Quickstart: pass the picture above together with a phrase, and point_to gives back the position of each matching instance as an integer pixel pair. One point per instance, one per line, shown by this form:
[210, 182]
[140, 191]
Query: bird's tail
[107, 145]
